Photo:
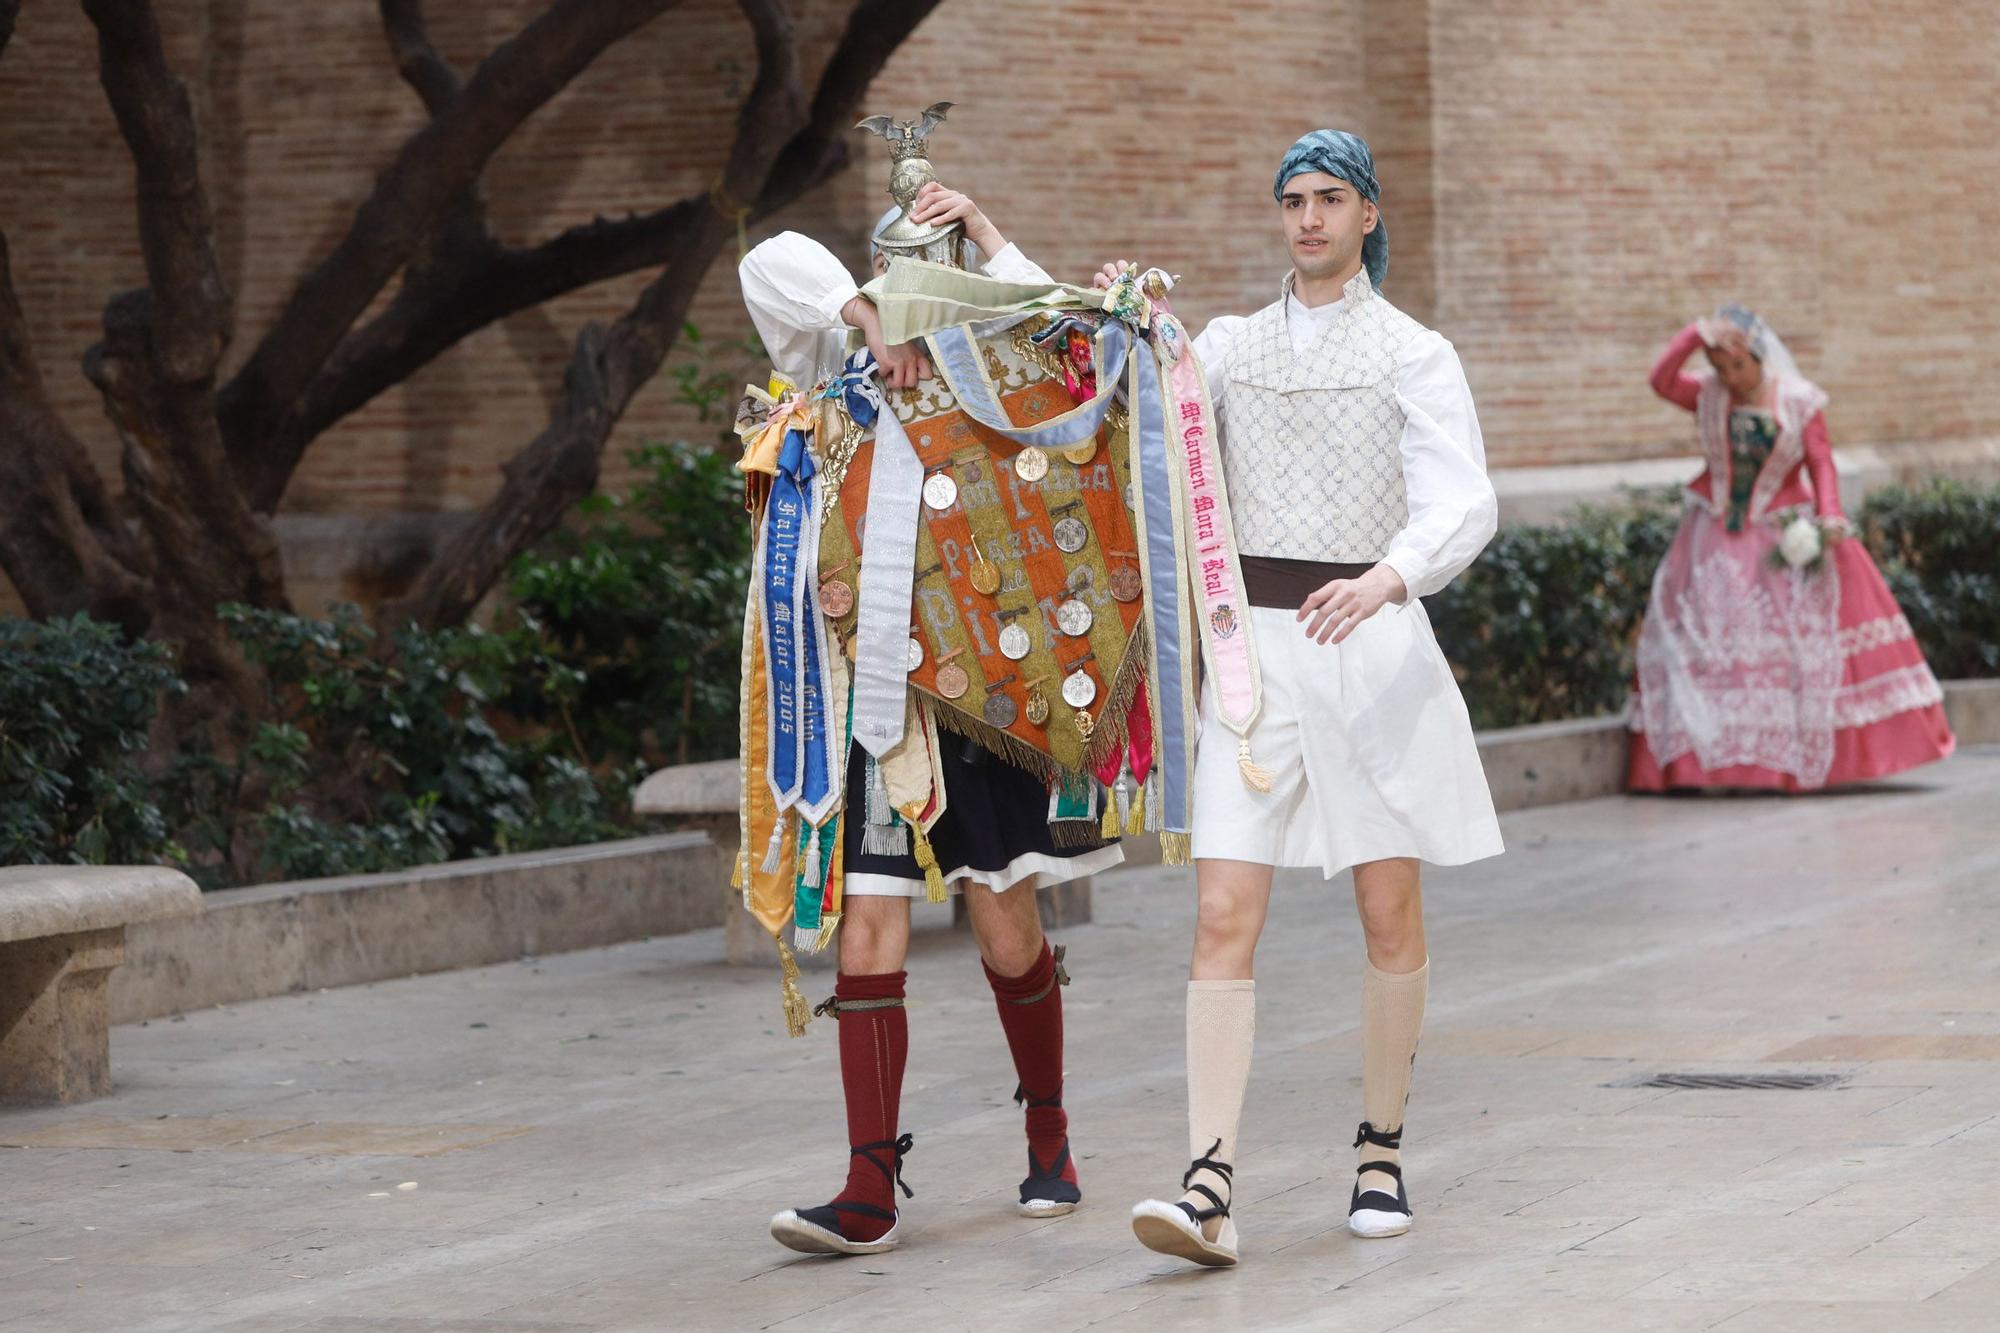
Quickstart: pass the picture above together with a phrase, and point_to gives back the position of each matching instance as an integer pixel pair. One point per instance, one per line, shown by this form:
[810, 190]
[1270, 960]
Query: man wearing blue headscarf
[1357, 482]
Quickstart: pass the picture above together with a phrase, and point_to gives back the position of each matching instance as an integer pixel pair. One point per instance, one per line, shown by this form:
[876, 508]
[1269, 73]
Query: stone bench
[704, 796]
[62, 931]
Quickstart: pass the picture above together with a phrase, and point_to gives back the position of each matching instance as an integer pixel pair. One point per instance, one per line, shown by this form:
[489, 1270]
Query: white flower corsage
[1801, 545]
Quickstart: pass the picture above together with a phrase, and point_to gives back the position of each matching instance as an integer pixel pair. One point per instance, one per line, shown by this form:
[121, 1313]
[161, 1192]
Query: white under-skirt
[1044, 869]
[1370, 750]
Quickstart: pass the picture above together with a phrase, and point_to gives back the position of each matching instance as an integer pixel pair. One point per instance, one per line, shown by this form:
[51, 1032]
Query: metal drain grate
[1741, 1082]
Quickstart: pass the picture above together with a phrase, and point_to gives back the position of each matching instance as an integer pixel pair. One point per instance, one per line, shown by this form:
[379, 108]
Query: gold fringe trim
[1075, 834]
[797, 1014]
[1174, 848]
[1110, 733]
[928, 863]
[1108, 736]
[1005, 744]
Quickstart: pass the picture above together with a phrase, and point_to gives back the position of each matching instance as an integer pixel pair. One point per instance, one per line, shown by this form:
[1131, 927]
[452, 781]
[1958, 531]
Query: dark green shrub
[389, 755]
[1541, 626]
[642, 602]
[1939, 548]
[641, 599]
[76, 700]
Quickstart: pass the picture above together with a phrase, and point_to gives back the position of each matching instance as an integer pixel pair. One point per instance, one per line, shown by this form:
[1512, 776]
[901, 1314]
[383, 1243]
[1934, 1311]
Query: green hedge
[76, 700]
[1542, 627]
[1939, 548]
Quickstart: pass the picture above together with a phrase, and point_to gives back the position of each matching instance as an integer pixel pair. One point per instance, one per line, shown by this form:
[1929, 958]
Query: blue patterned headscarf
[1338, 153]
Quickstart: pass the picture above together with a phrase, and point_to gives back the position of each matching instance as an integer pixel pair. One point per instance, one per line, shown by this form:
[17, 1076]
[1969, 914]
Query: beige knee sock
[1221, 1027]
[1392, 1018]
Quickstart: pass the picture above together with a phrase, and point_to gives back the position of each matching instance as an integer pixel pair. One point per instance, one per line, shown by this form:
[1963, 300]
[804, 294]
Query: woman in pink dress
[1773, 655]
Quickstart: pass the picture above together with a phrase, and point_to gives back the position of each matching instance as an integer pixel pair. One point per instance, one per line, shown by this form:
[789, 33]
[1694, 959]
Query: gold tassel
[927, 862]
[736, 876]
[1135, 821]
[797, 1015]
[1174, 849]
[828, 923]
[1110, 827]
[1255, 778]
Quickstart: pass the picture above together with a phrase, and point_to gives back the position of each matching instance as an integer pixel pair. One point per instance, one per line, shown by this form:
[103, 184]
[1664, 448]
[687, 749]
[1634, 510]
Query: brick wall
[1565, 184]
[1604, 171]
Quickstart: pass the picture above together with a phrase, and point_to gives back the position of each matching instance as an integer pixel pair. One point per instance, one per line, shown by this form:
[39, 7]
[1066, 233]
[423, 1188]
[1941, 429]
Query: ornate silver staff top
[909, 171]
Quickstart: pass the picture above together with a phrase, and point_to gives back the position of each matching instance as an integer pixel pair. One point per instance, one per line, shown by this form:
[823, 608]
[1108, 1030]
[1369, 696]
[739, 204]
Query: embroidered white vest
[1312, 443]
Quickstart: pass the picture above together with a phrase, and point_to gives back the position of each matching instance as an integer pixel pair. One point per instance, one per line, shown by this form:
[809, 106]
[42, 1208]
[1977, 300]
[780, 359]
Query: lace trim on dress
[1903, 690]
[1872, 634]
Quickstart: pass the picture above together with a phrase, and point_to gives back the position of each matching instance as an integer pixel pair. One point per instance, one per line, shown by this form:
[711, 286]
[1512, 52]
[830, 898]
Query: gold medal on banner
[985, 575]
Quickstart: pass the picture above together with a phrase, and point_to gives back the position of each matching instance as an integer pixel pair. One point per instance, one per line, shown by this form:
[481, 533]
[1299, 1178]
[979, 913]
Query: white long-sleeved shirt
[1452, 509]
[795, 290]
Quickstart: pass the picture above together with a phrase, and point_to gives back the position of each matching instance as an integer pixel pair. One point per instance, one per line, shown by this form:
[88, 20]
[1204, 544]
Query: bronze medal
[1031, 464]
[952, 682]
[1126, 584]
[836, 597]
[999, 711]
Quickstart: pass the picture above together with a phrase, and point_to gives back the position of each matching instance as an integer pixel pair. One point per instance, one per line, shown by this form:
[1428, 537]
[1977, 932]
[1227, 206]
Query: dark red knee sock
[874, 1046]
[1031, 1013]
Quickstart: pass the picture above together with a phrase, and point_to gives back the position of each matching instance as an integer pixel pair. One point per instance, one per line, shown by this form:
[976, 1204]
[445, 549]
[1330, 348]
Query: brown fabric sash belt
[1270, 581]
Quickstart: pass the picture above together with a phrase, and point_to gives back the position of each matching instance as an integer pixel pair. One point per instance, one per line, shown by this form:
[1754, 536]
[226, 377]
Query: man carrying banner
[1356, 480]
[992, 840]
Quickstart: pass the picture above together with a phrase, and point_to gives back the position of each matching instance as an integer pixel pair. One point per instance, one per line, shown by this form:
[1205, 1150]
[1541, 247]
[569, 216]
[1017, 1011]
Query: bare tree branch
[471, 281]
[176, 231]
[62, 541]
[417, 58]
[431, 315]
[431, 172]
[774, 128]
[157, 363]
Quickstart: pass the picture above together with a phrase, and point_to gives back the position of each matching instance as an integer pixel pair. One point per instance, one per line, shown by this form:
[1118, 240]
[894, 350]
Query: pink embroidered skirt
[1755, 676]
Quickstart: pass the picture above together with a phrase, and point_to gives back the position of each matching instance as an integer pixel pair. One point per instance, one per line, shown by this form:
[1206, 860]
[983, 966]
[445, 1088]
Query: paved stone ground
[594, 1141]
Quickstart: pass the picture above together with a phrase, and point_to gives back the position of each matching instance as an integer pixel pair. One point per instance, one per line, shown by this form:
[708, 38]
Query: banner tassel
[797, 1014]
[928, 863]
[1135, 822]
